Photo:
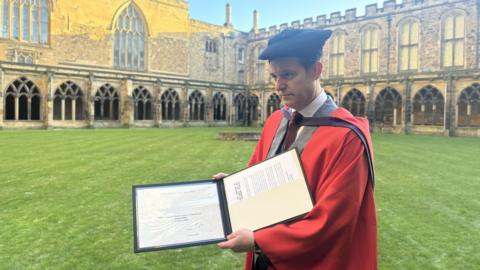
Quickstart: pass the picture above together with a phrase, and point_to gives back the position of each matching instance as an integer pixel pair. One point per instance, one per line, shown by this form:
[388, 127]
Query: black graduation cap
[302, 43]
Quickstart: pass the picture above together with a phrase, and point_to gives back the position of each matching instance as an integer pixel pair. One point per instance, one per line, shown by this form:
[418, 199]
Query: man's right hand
[219, 176]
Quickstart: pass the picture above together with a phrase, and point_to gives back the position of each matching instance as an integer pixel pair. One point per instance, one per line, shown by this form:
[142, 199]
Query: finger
[226, 244]
[219, 176]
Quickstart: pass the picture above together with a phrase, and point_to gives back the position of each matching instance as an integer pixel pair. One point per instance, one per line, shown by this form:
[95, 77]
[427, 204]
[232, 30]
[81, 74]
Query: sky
[272, 12]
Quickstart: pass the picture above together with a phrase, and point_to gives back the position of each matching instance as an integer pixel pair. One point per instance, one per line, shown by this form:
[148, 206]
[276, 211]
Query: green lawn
[66, 197]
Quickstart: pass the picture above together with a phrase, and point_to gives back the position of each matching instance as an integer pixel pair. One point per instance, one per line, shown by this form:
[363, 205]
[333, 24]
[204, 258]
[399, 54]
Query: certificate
[204, 212]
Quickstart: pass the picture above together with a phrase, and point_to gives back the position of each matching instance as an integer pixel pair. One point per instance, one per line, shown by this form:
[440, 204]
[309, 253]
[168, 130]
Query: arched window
[219, 107]
[408, 45]
[196, 103]
[453, 38]
[253, 108]
[273, 103]
[428, 107]
[354, 101]
[143, 103]
[129, 39]
[26, 19]
[170, 105]
[370, 43]
[337, 54]
[469, 107]
[68, 102]
[107, 103]
[388, 107]
[22, 100]
[240, 102]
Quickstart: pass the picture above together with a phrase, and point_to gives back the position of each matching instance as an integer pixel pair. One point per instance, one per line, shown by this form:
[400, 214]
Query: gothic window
[240, 102]
[219, 107]
[5, 19]
[107, 103]
[337, 54]
[453, 41]
[211, 46]
[354, 101]
[170, 105]
[370, 50]
[273, 103]
[129, 39]
[68, 102]
[22, 100]
[25, 20]
[196, 103]
[143, 103]
[428, 107]
[469, 107]
[253, 108]
[408, 45]
[388, 107]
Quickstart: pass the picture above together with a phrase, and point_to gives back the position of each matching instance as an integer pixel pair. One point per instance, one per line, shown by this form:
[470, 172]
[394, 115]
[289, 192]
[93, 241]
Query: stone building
[410, 67]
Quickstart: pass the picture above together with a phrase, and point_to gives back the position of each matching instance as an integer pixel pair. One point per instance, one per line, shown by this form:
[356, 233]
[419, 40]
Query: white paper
[268, 193]
[178, 214]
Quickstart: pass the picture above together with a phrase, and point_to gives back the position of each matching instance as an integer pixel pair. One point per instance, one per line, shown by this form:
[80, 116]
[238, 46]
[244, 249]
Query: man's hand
[219, 176]
[239, 241]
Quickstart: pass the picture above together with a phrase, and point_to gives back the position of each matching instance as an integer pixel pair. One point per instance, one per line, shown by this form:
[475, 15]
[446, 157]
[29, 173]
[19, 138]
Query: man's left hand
[239, 241]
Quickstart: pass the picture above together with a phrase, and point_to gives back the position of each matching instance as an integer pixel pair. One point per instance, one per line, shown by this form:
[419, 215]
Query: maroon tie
[292, 129]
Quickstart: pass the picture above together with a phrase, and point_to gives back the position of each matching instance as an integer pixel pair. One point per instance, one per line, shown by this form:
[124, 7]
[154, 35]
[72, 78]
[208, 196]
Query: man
[340, 231]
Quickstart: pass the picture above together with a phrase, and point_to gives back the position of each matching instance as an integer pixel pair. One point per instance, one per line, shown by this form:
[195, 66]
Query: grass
[66, 197]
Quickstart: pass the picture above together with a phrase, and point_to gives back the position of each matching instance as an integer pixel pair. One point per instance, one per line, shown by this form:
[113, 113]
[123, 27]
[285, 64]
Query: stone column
[126, 103]
[209, 106]
[74, 110]
[339, 93]
[157, 104]
[246, 114]
[232, 116]
[90, 102]
[184, 107]
[263, 100]
[48, 111]
[407, 107]
[371, 104]
[450, 106]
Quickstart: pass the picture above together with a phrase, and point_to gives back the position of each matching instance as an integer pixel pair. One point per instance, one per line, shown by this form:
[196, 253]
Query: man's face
[294, 84]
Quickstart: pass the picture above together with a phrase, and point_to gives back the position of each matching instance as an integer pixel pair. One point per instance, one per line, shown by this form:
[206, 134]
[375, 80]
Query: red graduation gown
[340, 232]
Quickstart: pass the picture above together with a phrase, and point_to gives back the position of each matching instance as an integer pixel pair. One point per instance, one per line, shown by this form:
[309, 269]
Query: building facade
[410, 67]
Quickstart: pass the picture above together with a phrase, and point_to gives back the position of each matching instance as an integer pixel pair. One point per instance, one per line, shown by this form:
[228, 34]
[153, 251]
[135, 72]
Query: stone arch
[428, 107]
[196, 104]
[240, 107]
[355, 102]
[219, 107]
[388, 107]
[107, 103]
[469, 106]
[68, 102]
[22, 100]
[253, 113]
[170, 102]
[273, 103]
[142, 104]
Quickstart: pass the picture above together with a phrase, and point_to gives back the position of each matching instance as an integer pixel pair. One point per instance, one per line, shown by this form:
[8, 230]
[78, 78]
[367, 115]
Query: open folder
[203, 212]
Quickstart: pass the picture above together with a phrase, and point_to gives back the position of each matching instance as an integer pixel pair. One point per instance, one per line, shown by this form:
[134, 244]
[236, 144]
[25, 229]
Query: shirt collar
[310, 109]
